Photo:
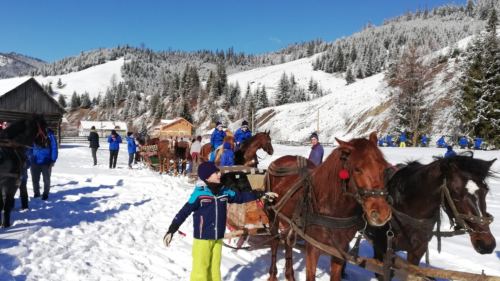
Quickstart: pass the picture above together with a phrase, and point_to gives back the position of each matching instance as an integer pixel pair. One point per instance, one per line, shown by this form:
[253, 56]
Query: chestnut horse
[246, 155]
[179, 154]
[365, 164]
[417, 190]
[165, 154]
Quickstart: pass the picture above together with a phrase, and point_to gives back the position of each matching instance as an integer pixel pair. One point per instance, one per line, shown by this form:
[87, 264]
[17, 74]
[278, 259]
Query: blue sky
[53, 29]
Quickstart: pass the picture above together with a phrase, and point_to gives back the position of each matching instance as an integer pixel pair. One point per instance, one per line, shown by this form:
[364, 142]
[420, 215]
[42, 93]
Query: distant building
[177, 127]
[103, 128]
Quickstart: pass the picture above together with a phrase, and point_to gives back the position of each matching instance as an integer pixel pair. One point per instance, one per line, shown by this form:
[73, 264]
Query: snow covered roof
[7, 85]
[164, 122]
[104, 125]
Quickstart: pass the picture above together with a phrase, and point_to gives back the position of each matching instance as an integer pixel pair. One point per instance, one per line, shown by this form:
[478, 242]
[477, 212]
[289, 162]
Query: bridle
[40, 133]
[250, 158]
[460, 220]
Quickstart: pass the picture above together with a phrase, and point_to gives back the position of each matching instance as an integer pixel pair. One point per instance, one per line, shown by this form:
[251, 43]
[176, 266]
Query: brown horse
[417, 190]
[165, 154]
[181, 152]
[246, 155]
[153, 141]
[206, 150]
[366, 165]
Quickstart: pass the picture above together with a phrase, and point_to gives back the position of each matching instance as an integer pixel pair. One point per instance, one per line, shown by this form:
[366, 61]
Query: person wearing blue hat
[477, 143]
[450, 151]
[463, 143]
[441, 142]
[227, 158]
[424, 141]
[216, 139]
[242, 134]
[209, 202]
[317, 151]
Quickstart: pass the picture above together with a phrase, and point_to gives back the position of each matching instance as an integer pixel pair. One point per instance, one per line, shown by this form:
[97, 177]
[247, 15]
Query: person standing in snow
[43, 160]
[195, 152]
[209, 202]
[441, 143]
[463, 143]
[23, 189]
[381, 142]
[216, 139]
[388, 139]
[131, 148]
[114, 147]
[424, 141]
[242, 134]
[94, 143]
[227, 159]
[402, 140]
[317, 151]
[477, 143]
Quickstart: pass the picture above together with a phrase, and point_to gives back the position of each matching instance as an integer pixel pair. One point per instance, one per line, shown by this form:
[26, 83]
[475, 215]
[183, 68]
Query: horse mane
[326, 175]
[247, 142]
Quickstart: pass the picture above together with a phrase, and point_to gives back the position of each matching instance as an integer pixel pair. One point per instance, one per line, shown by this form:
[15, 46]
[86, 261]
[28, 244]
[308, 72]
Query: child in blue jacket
[131, 146]
[209, 203]
[227, 159]
[114, 147]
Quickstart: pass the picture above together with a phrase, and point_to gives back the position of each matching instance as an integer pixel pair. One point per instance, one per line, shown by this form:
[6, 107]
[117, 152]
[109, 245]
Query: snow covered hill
[12, 64]
[94, 80]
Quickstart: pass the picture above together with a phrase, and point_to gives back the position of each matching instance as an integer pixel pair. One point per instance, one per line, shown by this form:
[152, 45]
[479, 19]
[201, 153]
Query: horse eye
[357, 170]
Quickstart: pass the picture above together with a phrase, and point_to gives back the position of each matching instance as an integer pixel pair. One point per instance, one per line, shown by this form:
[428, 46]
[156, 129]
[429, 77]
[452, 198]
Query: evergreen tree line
[478, 105]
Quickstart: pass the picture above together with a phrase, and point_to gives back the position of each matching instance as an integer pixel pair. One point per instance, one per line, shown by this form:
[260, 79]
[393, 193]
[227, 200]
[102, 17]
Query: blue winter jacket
[227, 159]
[478, 143]
[45, 156]
[388, 139]
[240, 136]
[316, 155]
[217, 138]
[424, 139]
[403, 137]
[440, 142]
[450, 153]
[28, 164]
[381, 142]
[463, 142]
[209, 218]
[114, 145]
[131, 145]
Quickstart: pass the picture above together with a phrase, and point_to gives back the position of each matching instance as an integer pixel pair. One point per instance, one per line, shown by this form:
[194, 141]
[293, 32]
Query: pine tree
[310, 48]
[126, 109]
[59, 83]
[185, 111]
[153, 105]
[74, 101]
[134, 106]
[49, 89]
[159, 111]
[85, 100]
[282, 95]
[263, 97]
[349, 77]
[144, 127]
[62, 101]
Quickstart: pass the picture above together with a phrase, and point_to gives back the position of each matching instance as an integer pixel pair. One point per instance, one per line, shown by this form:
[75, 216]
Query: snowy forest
[194, 85]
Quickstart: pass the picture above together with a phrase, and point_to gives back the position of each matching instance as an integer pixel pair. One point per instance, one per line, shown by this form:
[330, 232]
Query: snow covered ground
[101, 224]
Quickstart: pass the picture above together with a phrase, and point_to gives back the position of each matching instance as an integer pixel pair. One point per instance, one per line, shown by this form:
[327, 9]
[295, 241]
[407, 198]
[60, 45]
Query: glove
[213, 148]
[168, 236]
[265, 194]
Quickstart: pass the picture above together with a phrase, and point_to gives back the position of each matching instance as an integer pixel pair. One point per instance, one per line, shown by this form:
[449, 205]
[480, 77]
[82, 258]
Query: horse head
[365, 164]
[39, 125]
[467, 190]
[265, 142]
[28, 131]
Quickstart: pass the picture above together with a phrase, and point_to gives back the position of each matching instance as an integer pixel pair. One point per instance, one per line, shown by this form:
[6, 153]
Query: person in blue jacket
[216, 139]
[450, 151]
[114, 147]
[317, 151]
[477, 143]
[392, 144]
[381, 142]
[441, 142]
[43, 160]
[388, 139]
[424, 141]
[242, 134]
[131, 148]
[402, 140]
[23, 190]
[227, 159]
[209, 202]
[463, 143]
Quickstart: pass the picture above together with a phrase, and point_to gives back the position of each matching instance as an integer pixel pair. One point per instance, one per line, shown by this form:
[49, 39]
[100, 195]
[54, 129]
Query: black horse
[15, 141]
[417, 192]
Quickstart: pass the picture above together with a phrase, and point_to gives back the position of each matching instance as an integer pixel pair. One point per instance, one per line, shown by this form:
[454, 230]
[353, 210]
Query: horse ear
[345, 148]
[268, 132]
[373, 137]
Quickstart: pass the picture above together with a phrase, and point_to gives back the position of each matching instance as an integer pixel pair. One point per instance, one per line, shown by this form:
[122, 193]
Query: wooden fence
[303, 143]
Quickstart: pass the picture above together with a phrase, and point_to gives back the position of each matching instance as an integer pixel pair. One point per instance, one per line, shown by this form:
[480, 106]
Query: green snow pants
[206, 260]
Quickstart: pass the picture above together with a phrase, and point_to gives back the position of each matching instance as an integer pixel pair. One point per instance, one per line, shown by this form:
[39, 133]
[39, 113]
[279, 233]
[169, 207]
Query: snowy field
[101, 224]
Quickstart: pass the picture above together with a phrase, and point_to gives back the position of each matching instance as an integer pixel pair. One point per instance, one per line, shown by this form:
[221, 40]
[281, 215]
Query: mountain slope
[12, 64]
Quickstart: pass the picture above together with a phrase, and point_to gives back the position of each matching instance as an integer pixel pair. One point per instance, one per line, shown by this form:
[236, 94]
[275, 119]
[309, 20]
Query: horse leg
[312, 256]
[380, 257]
[337, 266]
[7, 202]
[273, 270]
[289, 263]
[415, 256]
[160, 163]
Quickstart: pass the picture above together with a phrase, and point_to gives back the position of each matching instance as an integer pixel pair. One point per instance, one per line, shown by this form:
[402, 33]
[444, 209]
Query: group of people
[217, 139]
[40, 161]
[114, 140]
[441, 142]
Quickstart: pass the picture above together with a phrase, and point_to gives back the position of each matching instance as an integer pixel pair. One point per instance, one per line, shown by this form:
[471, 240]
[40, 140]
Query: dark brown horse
[246, 155]
[366, 166]
[165, 154]
[417, 190]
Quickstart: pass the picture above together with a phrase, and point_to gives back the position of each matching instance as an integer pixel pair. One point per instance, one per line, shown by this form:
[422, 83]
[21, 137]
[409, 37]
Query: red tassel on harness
[344, 174]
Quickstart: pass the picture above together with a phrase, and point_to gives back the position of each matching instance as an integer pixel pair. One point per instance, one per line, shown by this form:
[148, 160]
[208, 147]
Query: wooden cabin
[178, 127]
[21, 97]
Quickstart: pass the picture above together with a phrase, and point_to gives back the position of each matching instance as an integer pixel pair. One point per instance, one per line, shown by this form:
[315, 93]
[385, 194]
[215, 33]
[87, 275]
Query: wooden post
[317, 125]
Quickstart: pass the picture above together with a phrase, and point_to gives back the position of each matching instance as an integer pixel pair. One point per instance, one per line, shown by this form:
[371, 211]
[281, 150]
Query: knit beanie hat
[92, 128]
[129, 134]
[314, 135]
[206, 169]
[227, 145]
[244, 124]
[218, 124]
[450, 148]
[113, 132]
